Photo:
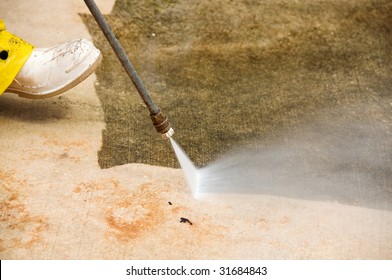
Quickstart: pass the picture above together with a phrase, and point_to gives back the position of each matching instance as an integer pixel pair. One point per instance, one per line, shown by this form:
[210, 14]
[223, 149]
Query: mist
[348, 162]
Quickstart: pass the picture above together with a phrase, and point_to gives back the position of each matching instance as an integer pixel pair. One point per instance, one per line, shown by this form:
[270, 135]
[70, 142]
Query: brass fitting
[162, 125]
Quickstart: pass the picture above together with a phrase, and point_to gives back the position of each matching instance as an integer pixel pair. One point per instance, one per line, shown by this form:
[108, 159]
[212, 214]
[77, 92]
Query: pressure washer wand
[160, 121]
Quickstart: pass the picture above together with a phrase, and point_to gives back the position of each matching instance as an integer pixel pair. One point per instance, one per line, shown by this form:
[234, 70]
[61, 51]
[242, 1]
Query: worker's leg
[44, 72]
[14, 52]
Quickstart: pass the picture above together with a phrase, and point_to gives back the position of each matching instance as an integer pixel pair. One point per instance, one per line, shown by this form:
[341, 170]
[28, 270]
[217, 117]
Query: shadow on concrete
[15, 108]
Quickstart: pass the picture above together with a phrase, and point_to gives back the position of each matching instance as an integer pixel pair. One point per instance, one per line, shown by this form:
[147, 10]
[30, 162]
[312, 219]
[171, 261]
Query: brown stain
[127, 214]
[103, 184]
[124, 204]
[66, 155]
[66, 144]
[263, 224]
[179, 209]
[31, 229]
[60, 147]
[63, 149]
[277, 244]
[221, 231]
[13, 196]
[142, 216]
[134, 225]
[285, 220]
[103, 191]
[126, 231]
[34, 155]
[20, 228]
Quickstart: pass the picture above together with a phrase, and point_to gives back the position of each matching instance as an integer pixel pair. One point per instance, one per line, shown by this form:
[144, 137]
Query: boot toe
[54, 70]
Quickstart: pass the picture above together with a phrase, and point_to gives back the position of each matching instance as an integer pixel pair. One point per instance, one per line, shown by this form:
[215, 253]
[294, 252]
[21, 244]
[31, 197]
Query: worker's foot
[52, 71]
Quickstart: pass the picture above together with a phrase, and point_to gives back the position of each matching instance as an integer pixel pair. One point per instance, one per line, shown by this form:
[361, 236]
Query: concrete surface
[234, 73]
[57, 203]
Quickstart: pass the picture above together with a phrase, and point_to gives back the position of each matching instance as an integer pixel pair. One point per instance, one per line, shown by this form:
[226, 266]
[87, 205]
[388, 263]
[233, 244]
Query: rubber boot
[51, 71]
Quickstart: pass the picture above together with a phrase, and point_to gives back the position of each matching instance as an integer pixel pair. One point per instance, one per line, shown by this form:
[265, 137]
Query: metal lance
[159, 120]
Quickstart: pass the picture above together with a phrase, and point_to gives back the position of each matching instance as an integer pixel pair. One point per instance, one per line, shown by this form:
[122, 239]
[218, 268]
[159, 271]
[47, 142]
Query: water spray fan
[159, 120]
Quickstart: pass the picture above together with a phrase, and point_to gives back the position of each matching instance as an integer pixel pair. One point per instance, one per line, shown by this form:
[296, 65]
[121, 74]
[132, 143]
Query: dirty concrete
[57, 202]
[231, 73]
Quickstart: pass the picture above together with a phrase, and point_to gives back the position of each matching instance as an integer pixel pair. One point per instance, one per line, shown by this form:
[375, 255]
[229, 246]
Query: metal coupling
[162, 125]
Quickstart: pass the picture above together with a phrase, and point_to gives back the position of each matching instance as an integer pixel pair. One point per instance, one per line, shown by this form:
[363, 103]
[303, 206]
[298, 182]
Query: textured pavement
[56, 202]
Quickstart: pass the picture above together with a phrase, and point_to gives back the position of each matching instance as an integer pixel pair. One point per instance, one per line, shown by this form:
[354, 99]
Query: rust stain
[263, 224]
[178, 209]
[125, 231]
[141, 215]
[285, 220]
[102, 192]
[124, 204]
[101, 184]
[33, 154]
[127, 214]
[66, 155]
[67, 144]
[134, 218]
[277, 244]
[63, 149]
[13, 196]
[20, 229]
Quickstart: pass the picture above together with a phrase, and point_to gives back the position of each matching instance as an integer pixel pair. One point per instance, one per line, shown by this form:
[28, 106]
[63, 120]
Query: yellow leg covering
[14, 52]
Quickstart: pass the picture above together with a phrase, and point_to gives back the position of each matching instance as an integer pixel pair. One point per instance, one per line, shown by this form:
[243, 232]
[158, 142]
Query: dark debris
[185, 220]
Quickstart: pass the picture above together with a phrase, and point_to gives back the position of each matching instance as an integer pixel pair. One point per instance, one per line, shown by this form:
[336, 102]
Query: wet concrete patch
[231, 72]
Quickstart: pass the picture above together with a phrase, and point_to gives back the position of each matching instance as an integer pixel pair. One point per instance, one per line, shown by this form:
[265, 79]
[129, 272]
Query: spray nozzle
[162, 125]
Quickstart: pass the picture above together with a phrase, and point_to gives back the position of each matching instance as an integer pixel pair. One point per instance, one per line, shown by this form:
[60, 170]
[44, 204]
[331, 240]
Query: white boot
[52, 71]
